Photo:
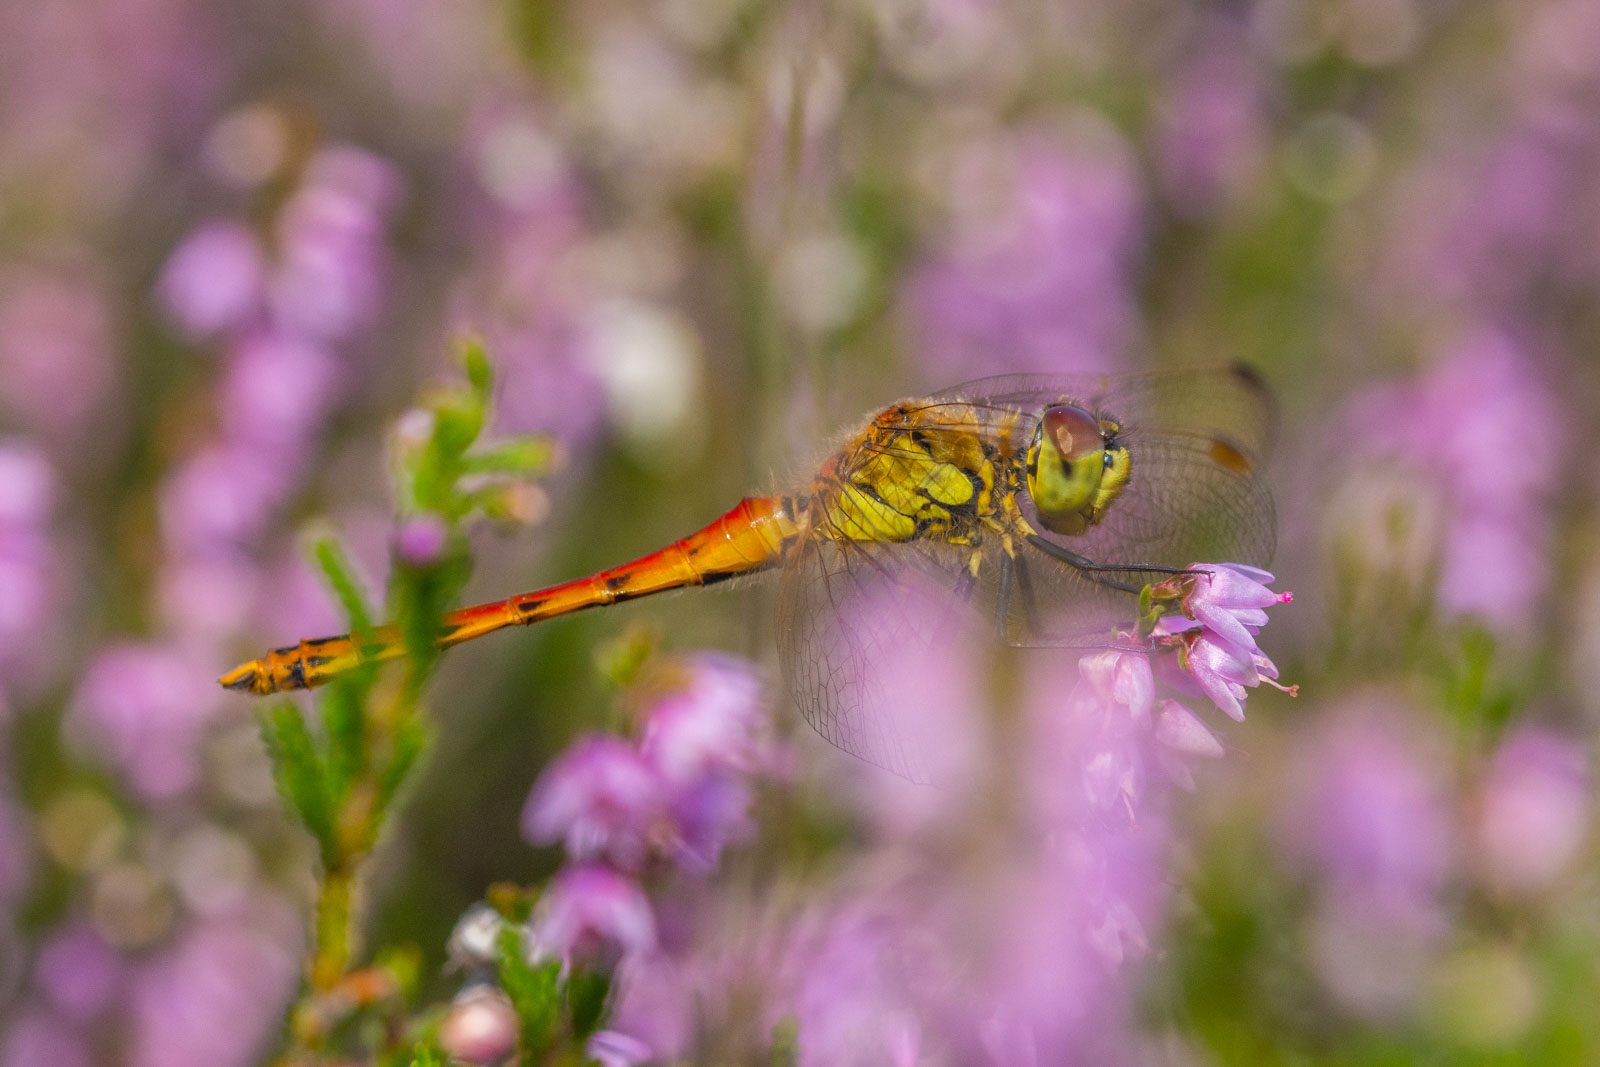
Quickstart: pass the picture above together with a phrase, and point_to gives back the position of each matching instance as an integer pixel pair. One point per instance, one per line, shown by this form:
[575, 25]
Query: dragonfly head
[1076, 468]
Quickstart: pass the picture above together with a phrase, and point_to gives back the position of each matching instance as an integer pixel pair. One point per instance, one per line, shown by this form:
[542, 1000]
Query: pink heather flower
[1449, 428]
[29, 565]
[1223, 672]
[1211, 137]
[1216, 638]
[144, 706]
[710, 814]
[1230, 599]
[216, 995]
[213, 280]
[27, 484]
[1104, 722]
[420, 540]
[1181, 730]
[79, 973]
[223, 496]
[58, 353]
[1042, 268]
[602, 799]
[612, 1048]
[715, 723]
[1534, 811]
[1182, 737]
[35, 1038]
[1373, 815]
[861, 979]
[590, 912]
[277, 389]
[326, 283]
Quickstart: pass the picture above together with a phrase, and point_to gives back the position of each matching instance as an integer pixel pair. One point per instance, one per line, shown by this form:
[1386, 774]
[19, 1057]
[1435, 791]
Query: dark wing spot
[1229, 458]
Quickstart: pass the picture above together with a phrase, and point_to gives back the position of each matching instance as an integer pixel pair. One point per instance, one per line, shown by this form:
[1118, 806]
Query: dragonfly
[1043, 503]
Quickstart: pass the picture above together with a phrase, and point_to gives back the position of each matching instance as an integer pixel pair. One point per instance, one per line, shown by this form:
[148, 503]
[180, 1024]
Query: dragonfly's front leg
[1097, 572]
[1002, 601]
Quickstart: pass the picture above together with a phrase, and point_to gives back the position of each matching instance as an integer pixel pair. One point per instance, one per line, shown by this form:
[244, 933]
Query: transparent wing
[1229, 404]
[870, 637]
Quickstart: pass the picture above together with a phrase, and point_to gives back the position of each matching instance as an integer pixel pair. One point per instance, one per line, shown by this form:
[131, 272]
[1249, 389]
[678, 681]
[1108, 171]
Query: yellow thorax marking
[908, 478]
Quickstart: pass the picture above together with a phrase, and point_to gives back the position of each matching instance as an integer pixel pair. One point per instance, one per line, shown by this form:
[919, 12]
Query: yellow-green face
[1076, 468]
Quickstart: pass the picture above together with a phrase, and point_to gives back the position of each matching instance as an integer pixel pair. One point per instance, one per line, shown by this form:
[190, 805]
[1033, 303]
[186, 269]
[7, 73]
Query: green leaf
[409, 739]
[785, 1048]
[586, 999]
[475, 362]
[535, 992]
[428, 1056]
[459, 419]
[514, 455]
[335, 565]
[403, 964]
[344, 722]
[620, 659]
[298, 773]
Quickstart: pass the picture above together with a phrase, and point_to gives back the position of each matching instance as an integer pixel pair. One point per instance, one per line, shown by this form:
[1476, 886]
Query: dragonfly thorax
[1075, 467]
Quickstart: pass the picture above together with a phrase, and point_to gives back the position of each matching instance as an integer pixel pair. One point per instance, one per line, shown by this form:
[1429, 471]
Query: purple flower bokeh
[146, 707]
[1486, 435]
[1371, 815]
[1038, 278]
[1534, 811]
[1006, 917]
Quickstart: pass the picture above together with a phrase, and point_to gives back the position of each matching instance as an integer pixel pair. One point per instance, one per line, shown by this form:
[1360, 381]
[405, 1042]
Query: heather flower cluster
[631, 815]
[1222, 609]
[677, 796]
[958, 932]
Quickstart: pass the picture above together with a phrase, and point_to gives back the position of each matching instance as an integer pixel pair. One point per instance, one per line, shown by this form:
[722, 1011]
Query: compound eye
[1074, 432]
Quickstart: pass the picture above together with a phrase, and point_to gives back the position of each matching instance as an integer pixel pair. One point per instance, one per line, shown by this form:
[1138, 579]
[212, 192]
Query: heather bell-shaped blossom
[1223, 609]
[716, 722]
[613, 1048]
[680, 796]
[591, 913]
[602, 799]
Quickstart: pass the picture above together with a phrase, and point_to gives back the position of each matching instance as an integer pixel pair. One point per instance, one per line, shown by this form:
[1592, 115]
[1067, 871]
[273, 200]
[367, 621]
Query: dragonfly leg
[1002, 605]
[1084, 563]
[966, 584]
[1096, 572]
